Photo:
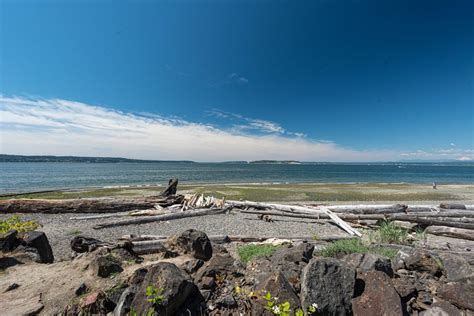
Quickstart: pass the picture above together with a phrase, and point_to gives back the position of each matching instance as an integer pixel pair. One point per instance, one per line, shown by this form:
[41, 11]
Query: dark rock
[296, 254]
[441, 308]
[405, 287]
[207, 283]
[12, 287]
[424, 297]
[81, 289]
[455, 267]
[93, 304]
[222, 265]
[422, 261]
[39, 241]
[193, 242]
[191, 266]
[379, 296]
[226, 301]
[369, 262]
[113, 295]
[6, 262]
[85, 244]
[279, 287]
[9, 241]
[330, 284]
[26, 254]
[458, 293]
[290, 261]
[176, 285]
[104, 266]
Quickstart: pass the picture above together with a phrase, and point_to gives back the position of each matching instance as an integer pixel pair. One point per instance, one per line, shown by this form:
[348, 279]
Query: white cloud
[61, 127]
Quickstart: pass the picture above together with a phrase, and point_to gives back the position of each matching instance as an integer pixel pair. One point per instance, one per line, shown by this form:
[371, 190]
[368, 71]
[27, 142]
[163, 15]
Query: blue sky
[307, 80]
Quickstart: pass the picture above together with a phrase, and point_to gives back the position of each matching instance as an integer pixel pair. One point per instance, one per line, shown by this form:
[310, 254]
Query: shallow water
[21, 177]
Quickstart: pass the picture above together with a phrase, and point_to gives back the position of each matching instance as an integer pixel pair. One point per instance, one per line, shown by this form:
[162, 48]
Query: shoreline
[210, 184]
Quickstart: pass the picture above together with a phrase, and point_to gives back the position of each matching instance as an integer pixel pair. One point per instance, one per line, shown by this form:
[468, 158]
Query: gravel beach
[60, 229]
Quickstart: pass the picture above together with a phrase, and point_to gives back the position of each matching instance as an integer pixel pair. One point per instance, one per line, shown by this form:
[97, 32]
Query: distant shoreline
[4, 158]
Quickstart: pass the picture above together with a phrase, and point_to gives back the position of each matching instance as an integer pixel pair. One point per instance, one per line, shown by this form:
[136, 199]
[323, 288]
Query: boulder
[191, 266]
[302, 252]
[104, 266]
[223, 265]
[39, 241]
[9, 241]
[379, 296]
[422, 261]
[192, 242]
[365, 262]
[458, 293]
[290, 261]
[176, 286]
[280, 288]
[441, 308]
[329, 283]
[454, 267]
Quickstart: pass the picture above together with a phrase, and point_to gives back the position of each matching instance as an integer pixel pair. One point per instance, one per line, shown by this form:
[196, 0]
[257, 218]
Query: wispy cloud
[232, 78]
[243, 123]
[61, 127]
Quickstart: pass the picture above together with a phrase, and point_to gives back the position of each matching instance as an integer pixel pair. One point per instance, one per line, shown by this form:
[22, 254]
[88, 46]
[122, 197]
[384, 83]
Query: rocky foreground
[192, 276]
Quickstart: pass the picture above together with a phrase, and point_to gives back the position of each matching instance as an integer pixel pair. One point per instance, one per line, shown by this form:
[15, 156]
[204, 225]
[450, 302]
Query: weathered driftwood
[460, 233]
[456, 216]
[299, 209]
[76, 206]
[447, 243]
[171, 189]
[435, 222]
[452, 206]
[164, 217]
[122, 214]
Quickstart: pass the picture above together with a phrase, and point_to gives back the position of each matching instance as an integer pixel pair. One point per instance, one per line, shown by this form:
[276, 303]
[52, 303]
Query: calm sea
[21, 177]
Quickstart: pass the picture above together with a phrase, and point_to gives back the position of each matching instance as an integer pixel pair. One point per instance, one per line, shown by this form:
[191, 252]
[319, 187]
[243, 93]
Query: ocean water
[23, 177]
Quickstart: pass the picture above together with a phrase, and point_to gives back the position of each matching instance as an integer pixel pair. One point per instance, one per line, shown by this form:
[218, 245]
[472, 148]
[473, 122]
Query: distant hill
[284, 162]
[20, 158]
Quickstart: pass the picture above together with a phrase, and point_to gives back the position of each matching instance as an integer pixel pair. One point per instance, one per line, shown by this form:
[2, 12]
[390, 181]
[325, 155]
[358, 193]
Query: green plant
[154, 298]
[348, 246]
[273, 305]
[16, 223]
[249, 252]
[392, 234]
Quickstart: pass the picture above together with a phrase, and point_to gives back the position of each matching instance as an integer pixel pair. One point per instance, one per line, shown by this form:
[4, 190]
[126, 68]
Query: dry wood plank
[451, 232]
[340, 222]
[164, 217]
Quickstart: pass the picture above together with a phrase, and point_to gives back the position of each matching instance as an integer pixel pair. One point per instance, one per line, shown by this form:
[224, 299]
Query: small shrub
[249, 252]
[16, 223]
[392, 234]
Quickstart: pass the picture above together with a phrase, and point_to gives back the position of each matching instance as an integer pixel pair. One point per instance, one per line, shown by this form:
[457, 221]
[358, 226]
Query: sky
[316, 80]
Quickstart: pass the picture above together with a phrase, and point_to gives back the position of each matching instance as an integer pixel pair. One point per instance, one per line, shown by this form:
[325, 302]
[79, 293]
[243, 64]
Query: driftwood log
[460, 233]
[86, 205]
[171, 189]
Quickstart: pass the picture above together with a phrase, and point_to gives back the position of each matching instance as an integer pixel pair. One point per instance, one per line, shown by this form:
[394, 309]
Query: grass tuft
[348, 246]
[390, 233]
[16, 223]
[249, 252]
